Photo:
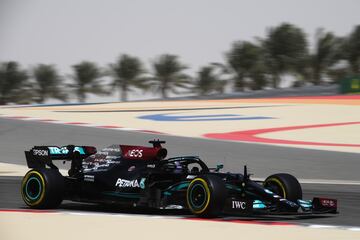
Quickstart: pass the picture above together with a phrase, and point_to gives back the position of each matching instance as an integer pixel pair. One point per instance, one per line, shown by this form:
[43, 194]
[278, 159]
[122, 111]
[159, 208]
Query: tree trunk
[41, 99]
[239, 83]
[317, 76]
[123, 94]
[164, 93]
[276, 80]
[81, 96]
[164, 87]
[355, 67]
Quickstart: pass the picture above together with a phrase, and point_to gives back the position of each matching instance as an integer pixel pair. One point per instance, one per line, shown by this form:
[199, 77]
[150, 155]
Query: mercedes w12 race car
[137, 176]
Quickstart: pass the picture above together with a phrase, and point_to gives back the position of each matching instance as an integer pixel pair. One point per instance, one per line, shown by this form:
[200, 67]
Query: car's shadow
[115, 209]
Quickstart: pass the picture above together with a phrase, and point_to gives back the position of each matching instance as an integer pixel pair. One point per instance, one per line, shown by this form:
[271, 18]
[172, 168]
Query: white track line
[321, 181]
[319, 226]
[329, 182]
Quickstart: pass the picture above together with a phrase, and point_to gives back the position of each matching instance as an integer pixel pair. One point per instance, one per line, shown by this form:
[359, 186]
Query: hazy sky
[65, 32]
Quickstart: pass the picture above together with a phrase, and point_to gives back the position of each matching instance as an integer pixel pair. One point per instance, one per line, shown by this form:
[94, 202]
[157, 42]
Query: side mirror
[219, 167]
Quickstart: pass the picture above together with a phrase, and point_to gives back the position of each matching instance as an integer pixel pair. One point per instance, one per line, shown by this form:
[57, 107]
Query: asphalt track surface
[262, 160]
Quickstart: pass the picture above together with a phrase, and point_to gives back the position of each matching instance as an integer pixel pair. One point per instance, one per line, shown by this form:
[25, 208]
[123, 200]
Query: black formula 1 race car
[137, 176]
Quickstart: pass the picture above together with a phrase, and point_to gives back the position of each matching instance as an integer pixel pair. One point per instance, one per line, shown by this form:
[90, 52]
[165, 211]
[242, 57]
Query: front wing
[234, 206]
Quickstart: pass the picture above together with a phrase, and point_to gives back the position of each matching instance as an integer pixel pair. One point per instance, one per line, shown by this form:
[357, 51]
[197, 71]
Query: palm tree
[87, 80]
[326, 54]
[14, 85]
[303, 71]
[243, 59]
[208, 81]
[258, 77]
[352, 50]
[285, 47]
[48, 83]
[168, 74]
[127, 73]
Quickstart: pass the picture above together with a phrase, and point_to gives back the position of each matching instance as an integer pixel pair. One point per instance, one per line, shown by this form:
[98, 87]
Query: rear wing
[40, 156]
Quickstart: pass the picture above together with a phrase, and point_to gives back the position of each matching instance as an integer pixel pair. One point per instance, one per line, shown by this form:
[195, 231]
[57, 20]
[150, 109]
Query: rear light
[90, 150]
[325, 204]
[330, 203]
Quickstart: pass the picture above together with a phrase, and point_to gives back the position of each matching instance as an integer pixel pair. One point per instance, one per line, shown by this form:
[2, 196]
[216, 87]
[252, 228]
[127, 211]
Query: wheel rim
[198, 196]
[33, 188]
[276, 187]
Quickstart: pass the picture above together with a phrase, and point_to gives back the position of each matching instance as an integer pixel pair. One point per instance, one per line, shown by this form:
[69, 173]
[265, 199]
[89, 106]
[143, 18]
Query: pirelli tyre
[284, 185]
[206, 196]
[42, 188]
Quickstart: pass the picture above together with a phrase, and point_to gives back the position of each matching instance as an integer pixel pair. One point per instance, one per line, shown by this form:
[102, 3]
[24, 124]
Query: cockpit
[186, 165]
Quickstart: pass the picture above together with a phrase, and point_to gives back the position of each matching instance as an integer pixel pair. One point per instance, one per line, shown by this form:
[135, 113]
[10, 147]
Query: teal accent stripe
[305, 203]
[178, 186]
[123, 195]
[257, 204]
[232, 187]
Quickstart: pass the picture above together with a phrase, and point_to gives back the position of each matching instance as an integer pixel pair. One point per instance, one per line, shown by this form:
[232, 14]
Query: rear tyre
[42, 188]
[284, 185]
[206, 196]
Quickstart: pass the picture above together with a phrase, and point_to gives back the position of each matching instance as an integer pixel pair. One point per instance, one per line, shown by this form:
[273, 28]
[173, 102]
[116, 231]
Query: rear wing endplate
[40, 156]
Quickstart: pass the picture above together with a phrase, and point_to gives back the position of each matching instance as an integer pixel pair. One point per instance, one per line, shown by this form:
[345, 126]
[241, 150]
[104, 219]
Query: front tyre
[284, 185]
[206, 196]
[42, 188]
